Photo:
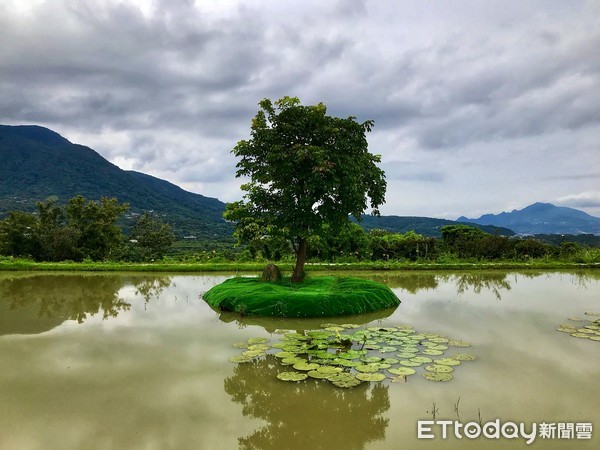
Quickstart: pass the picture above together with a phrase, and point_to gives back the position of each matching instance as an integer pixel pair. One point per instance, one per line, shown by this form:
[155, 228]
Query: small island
[308, 172]
[324, 296]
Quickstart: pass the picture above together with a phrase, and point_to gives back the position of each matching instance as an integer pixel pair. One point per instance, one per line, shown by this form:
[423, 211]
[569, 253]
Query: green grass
[324, 296]
[16, 264]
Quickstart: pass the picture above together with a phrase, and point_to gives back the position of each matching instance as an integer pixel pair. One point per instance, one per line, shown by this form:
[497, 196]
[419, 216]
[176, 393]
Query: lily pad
[318, 375]
[439, 368]
[241, 359]
[259, 347]
[370, 376]
[292, 376]
[240, 345]
[306, 366]
[433, 376]
[421, 359]
[329, 370]
[448, 361]
[253, 353]
[430, 352]
[410, 363]
[371, 359]
[368, 368]
[463, 357]
[258, 340]
[581, 335]
[452, 343]
[344, 380]
[403, 371]
[284, 355]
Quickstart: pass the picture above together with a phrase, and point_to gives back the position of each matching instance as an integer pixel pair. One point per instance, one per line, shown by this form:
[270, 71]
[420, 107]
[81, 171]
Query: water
[138, 361]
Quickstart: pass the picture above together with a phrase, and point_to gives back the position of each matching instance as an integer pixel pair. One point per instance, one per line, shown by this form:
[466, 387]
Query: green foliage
[316, 297]
[150, 239]
[408, 246]
[82, 229]
[18, 235]
[306, 169]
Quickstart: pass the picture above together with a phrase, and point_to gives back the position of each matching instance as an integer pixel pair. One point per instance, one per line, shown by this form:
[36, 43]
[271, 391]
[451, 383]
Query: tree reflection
[309, 414]
[33, 304]
[494, 282]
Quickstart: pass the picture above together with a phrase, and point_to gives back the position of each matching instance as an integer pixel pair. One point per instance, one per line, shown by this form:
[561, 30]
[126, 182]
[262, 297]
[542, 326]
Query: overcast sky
[480, 106]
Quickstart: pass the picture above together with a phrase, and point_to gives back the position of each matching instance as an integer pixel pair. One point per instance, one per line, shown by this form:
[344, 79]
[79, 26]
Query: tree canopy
[306, 169]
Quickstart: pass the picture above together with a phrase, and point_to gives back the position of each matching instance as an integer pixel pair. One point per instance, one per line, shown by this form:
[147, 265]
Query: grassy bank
[14, 264]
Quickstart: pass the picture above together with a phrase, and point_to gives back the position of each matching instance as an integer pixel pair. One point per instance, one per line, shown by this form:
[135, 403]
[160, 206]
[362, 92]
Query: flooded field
[139, 361]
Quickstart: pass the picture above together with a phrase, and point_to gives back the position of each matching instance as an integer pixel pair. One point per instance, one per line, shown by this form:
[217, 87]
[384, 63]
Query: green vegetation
[347, 355]
[307, 170]
[583, 328]
[314, 297]
[82, 230]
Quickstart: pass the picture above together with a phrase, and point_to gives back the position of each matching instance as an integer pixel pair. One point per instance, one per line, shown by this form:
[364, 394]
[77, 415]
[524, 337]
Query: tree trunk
[298, 274]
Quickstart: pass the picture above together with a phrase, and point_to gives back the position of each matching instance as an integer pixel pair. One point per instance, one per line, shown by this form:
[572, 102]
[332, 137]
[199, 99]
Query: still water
[138, 361]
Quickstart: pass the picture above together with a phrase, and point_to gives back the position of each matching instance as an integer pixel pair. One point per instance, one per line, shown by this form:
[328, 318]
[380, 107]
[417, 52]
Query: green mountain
[37, 164]
[542, 218]
[422, 225]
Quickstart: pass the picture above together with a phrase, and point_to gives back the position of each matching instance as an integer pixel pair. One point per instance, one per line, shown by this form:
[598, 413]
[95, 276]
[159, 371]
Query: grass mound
[314, 297]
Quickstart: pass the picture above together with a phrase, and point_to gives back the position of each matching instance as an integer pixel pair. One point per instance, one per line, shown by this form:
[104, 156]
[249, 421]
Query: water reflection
[37, 303]
[272, 324]
[310, 414]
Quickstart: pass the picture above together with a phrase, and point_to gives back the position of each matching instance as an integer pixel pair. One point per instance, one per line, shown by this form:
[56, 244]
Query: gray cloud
[476, 94]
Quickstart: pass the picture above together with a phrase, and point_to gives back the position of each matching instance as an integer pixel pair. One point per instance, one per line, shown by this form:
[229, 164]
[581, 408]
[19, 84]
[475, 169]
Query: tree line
[83, 230]
[458, 242]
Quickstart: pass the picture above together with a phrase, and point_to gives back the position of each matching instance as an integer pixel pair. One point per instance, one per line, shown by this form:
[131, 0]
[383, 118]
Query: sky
[479, 106]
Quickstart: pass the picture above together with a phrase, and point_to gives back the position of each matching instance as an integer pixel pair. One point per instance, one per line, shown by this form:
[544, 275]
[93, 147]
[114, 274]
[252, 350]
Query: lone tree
[306, 170]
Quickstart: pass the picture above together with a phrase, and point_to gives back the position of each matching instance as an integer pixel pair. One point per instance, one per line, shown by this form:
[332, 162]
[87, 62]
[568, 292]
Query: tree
[18, 234]
[306, 169]
[152, 237]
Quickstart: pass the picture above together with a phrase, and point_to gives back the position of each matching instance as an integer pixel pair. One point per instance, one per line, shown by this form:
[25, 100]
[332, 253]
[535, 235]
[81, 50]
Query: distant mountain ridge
[427, 226]
[37, 163]
[542, 218]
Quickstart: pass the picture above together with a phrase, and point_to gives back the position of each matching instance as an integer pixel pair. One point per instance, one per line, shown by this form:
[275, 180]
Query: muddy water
[105, 361]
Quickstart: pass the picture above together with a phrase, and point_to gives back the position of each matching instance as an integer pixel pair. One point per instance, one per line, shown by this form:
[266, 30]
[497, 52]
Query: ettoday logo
[430, 429]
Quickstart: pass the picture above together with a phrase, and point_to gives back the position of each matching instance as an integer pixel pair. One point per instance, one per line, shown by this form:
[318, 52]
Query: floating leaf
[463, 357]
[368, 368]
[430, 352]
[259, 347]
[448, 361]
[433, 376]
[344, 380]
[439, 368]
[292, 376]
[580, 335]
[240, 345]
[371, 359]
[388, 349]
[410, 363]
[241, 359]
[258, 340]
[404, 371]
[370, 376]
[305, 366]
[253, 353]
[317, 374]
[458, 344]
[329, 370]
[285, 355]
[421, 359]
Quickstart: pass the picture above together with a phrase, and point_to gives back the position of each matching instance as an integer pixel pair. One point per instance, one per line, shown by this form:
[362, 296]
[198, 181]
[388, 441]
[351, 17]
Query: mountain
[542, 218]
[422, 225]
[37, 164]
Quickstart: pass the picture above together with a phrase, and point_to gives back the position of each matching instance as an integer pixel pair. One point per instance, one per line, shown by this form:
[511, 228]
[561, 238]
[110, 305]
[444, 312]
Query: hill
[38, 164]
[422, 225]
[542, 218]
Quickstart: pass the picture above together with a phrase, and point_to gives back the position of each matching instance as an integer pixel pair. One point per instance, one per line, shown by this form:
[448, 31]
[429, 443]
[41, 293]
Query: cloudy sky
[479, 106]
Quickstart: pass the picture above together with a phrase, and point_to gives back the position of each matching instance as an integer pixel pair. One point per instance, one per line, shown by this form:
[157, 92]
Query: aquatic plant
[340, 355]
[583, 328]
